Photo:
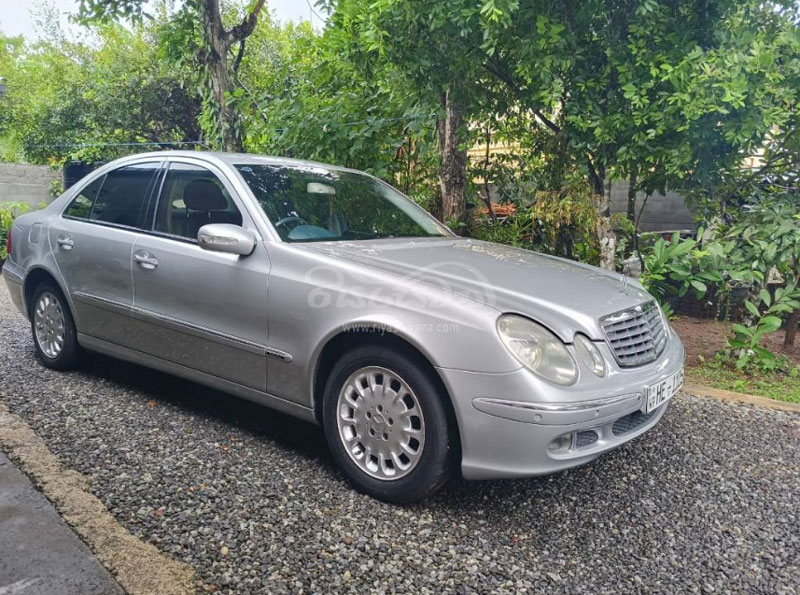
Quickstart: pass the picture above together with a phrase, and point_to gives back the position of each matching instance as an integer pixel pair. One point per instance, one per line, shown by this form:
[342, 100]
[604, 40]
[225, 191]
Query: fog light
[562, 444]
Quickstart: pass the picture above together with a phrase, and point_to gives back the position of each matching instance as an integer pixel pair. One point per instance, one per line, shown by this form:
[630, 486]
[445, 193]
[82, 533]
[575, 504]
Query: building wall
[663, 212]
[26, 183]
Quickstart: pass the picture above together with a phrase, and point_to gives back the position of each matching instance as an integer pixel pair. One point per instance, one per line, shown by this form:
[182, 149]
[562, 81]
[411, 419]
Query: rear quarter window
[81, 205]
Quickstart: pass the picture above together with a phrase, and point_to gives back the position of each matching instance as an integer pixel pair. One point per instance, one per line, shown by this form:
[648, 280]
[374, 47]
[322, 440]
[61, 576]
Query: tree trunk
[452, 163]
[220, 86]
[631, 211]
[791, 330]
[605, 234]
[218, 42]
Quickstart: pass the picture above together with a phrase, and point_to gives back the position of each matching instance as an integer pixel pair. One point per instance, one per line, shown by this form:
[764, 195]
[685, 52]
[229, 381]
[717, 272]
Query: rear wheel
[386, 424]
[53, 328]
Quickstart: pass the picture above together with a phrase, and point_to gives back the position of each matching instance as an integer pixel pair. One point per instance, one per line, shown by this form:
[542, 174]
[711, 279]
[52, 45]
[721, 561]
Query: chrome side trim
[277, 353]
[197, 331]
[289, 407]
[101, 302]
[560, 414]
[183, 327]
[577, 406]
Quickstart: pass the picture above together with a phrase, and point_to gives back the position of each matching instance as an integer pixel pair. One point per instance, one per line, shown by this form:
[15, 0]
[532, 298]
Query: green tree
[310, 95]
[420, 45]
[68, 99]
[644, 90]
[628, 89]
[198, 25]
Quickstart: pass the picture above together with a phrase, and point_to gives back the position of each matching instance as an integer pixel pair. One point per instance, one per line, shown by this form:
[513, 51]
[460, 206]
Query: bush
[8, 212]
[672, 269]
[562, 223]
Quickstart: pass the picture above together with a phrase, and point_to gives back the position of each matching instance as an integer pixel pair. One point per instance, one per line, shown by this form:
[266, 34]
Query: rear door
[93, 243]
[200, 309]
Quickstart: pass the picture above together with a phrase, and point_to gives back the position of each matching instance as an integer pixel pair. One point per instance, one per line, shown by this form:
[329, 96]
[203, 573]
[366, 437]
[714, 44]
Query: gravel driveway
[707, 501]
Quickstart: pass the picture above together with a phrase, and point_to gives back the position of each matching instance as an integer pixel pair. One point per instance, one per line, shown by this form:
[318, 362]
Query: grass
[781, 386]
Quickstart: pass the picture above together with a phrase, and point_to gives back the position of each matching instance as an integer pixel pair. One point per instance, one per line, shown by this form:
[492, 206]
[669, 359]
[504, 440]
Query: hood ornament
[623, 283]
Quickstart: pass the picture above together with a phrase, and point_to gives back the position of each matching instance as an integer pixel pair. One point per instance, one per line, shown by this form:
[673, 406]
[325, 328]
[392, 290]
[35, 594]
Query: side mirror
[224, 237]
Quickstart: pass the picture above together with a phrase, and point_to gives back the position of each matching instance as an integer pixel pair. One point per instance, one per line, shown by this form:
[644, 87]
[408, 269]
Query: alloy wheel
[49, 324]
[380, 422]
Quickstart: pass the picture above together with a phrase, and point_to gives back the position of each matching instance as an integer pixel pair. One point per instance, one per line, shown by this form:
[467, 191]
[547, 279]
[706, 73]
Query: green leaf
[699, 286]
[752, 308]
[741, 329]
[765, 297]
[769, 323]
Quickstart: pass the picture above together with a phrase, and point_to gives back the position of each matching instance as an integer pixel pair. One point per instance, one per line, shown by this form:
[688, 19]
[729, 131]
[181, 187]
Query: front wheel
[386, 424]
[54, 329]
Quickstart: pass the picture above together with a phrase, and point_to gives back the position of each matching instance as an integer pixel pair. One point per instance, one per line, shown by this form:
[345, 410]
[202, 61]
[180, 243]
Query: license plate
[660, 393]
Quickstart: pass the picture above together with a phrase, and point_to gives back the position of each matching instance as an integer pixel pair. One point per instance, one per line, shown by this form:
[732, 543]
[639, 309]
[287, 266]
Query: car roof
[237, 159]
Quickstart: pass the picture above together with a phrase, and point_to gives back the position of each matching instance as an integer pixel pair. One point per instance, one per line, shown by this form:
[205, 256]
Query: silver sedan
[324, 293]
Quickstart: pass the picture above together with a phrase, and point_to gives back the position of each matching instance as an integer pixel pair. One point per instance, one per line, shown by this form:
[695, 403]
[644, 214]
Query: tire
[400, 474]
[57, 340]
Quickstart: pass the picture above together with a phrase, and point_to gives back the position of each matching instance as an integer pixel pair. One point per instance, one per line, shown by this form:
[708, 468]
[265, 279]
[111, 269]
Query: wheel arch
[345, 340]
[32, 280]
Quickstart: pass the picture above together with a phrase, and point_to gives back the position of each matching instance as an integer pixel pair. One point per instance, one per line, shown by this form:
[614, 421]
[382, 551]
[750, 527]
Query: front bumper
[508, 421]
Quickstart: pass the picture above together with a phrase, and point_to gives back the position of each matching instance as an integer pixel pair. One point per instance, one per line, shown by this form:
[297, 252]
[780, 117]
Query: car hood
[564, 295]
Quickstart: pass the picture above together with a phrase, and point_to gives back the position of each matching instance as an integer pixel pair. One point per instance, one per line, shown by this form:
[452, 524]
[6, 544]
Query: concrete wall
[663, 212]
[26, 183]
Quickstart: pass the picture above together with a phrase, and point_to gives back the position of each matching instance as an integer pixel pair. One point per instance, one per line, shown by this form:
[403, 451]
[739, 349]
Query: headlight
[589, 355]
[537, 349]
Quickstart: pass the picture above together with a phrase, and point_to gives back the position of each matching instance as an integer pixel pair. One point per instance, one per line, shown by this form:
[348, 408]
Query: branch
[505, 78]
[596, 181]
[245, 28]
[239, 55]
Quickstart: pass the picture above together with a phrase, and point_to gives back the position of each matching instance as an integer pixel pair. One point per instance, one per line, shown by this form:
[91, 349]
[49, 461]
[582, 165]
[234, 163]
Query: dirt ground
[704, 337]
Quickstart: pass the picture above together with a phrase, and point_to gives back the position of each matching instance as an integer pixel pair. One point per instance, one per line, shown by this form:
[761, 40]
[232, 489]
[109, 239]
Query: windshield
[313, 203]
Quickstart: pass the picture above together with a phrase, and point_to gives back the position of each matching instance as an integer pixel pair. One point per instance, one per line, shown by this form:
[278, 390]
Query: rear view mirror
[228, 238]
[318, 188]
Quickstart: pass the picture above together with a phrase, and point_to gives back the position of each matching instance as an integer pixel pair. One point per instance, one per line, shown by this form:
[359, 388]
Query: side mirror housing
[224, 237]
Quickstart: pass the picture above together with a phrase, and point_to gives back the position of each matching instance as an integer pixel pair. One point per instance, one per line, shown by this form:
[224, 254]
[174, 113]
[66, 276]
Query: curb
[729, 395]
[139, 568]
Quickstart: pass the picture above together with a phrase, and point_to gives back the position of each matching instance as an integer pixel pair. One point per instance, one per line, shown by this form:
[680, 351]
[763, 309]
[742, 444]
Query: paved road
[39, 553]
[705, 502]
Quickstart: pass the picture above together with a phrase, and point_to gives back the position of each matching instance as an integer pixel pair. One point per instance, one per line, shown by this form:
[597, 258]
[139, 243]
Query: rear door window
[123, 197]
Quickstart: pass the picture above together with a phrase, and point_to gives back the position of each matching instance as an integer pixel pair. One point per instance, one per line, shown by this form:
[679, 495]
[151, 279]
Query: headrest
[203, 195]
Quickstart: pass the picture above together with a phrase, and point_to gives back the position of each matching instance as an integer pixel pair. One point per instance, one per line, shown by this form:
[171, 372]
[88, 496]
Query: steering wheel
[287, 220]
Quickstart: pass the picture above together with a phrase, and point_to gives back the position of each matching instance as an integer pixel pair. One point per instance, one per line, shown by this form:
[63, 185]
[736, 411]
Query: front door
[200, 309]
[92, 243]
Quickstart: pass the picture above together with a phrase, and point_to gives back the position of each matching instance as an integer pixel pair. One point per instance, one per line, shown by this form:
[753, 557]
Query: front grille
[630, 422]
[637, 335]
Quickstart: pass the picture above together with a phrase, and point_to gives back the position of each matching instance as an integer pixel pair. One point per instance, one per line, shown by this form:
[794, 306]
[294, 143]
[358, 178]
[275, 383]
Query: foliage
[671, 270]
[560, 223]
[8, 212]
[212, 36]
[65, 99]
[761, 250]
[766, 311]
[767, 236]
[656, 92]
[718, 372]
[627, 236]
[767, 248]
[311, 103]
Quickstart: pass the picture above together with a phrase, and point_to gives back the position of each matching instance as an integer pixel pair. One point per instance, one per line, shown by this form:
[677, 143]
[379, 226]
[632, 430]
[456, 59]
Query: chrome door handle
[145, 260]
[65, 242]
